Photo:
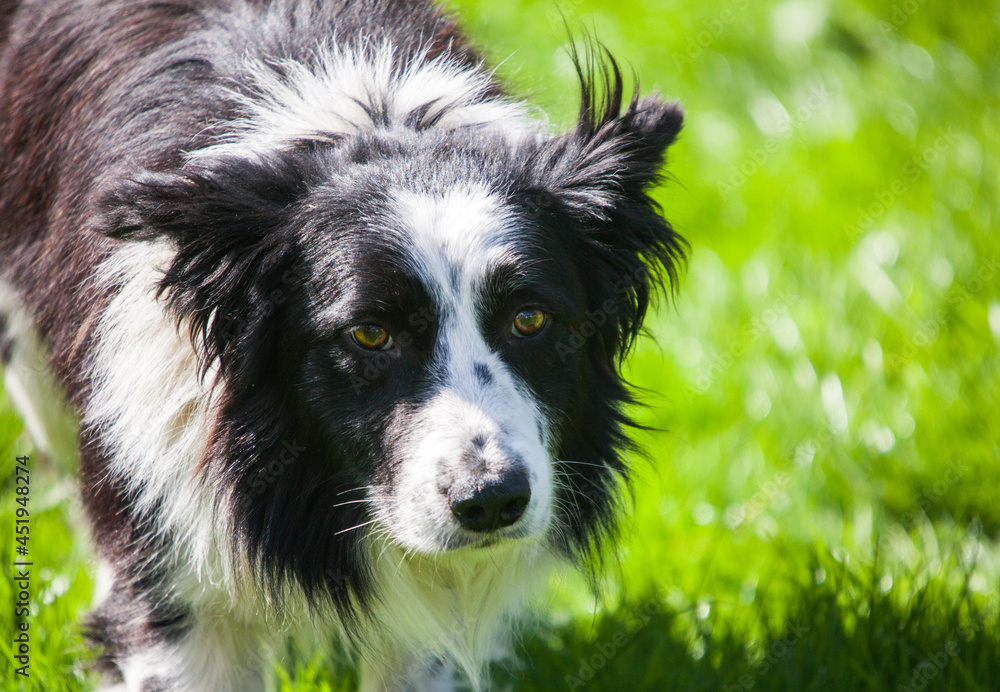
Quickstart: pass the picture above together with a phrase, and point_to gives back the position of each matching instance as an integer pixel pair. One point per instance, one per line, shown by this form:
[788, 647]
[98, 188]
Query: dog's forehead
[453, 237]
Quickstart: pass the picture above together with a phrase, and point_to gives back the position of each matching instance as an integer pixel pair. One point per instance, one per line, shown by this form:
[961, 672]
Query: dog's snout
[491, 502]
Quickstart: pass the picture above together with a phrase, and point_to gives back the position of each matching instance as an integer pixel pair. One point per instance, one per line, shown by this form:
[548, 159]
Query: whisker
[399, 566]
[350, 502]
[574, 491]
[386, 543]
[592, 482]
[366, 523]
[584, 463]
[385, 546]
[360, 487]
[381, 536]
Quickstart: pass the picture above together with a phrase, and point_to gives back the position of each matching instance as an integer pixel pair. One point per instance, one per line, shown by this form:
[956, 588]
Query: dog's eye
[528, 322]
[371, 337]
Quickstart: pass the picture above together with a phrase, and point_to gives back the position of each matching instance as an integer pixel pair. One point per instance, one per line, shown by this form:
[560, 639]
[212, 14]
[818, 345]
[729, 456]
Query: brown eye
[371, 337]
[528, 322]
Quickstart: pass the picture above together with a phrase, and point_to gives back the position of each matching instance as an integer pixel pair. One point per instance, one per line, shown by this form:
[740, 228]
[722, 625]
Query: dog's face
[437, 303]
[422, 328]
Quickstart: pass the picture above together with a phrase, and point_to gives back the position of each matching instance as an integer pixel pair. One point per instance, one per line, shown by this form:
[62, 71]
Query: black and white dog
[340, 321]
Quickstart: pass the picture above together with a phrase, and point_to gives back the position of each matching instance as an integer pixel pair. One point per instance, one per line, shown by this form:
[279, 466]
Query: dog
[341, 323]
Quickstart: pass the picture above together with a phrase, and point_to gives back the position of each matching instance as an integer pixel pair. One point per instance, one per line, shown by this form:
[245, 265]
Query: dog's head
[417, 330]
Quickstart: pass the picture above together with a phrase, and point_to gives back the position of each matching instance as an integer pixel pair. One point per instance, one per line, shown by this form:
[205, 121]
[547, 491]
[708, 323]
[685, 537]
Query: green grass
[818, 510]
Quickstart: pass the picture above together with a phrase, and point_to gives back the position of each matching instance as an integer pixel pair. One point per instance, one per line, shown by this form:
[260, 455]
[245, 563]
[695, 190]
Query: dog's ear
[600, 175]
[224, 225]
[231, 202]
[613, 154]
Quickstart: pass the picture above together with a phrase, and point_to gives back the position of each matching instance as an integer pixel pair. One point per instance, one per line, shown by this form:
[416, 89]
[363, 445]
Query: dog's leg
[151, 644]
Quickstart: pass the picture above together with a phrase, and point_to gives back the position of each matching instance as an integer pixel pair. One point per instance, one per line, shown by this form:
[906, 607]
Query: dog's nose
[492, 502]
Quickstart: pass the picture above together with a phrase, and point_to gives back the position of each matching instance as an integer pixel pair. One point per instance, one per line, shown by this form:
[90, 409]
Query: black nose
[492, 502]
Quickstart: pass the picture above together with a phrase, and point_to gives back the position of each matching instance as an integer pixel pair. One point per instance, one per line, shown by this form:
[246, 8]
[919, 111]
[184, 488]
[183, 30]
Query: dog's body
[340, 321]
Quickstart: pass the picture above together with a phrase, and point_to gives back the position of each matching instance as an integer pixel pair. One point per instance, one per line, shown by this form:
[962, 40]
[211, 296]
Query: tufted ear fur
[227, 225]
[600, 175]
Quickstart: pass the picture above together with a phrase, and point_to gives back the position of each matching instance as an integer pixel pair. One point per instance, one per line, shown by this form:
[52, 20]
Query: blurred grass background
[819, 510]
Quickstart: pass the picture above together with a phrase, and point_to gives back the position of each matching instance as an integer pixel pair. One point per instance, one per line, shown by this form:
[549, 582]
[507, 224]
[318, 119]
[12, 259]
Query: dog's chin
[467, 543]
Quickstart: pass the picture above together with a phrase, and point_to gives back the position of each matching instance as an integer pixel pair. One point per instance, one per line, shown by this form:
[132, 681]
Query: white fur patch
[465, 228]
[457, 607]
[153, 410]
[290, 102]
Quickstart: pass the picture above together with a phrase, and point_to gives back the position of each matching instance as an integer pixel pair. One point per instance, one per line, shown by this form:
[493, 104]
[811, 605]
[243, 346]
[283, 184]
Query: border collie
[341, 323]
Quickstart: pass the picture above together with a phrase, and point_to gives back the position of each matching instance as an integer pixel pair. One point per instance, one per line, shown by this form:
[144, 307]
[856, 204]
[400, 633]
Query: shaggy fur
[203, 201]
